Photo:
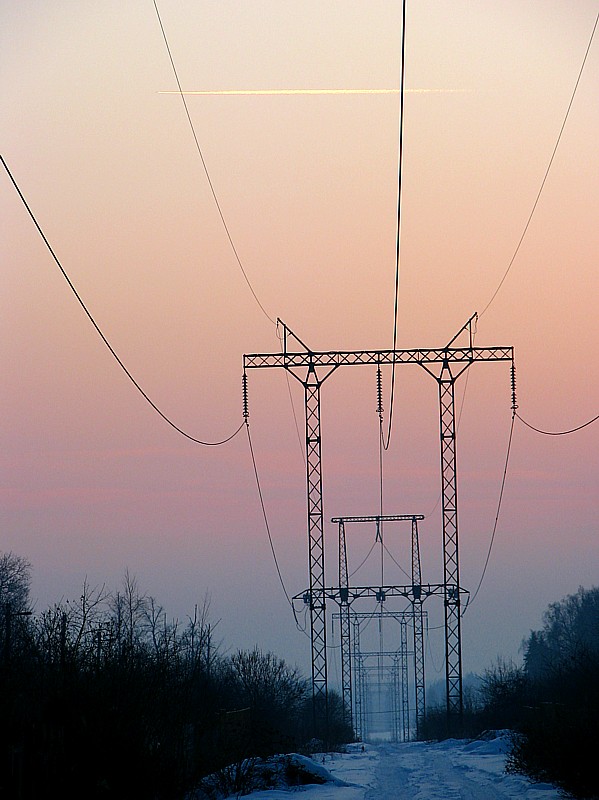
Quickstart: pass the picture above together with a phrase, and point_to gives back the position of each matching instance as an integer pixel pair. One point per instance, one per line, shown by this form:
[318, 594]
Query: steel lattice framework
[402, 667]
[346, 673]
[418, 615]
[416, 599]
[393, 665]
[445, 364]
[359, 684]
[399, 670]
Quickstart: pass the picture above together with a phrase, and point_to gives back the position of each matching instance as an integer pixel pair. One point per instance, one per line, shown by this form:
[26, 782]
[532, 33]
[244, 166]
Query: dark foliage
[559, 744]
[551, 703]
[488, 705]
[325, 729]
[104, 698]
[558, 738]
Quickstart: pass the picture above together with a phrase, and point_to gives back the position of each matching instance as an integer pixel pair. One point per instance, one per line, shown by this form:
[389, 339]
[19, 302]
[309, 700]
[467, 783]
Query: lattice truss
[312, 368]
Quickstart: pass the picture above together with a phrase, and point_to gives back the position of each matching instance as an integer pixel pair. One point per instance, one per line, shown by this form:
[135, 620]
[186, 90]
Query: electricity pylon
[400, 657]
[445, 364]
[345, 599]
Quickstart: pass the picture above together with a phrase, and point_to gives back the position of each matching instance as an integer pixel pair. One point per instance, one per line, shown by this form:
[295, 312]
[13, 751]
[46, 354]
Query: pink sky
[95, 482]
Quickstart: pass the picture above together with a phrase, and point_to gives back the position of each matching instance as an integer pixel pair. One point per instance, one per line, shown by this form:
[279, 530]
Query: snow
[449, 770]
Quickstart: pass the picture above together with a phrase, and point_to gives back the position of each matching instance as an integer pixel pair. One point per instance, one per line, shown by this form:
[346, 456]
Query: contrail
[314, 91]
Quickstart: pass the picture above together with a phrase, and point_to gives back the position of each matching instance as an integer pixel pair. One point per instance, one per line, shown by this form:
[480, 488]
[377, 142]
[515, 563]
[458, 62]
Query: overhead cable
[351, 574]
[299, 438]
[558, 433]
[266, 523]
[471, 598]
[398, 230]
[297, 431]
[204, 165]
[100, 332]
[430, 651]
[528, 221]
[507, 459]
[268, 532]
[396, 562]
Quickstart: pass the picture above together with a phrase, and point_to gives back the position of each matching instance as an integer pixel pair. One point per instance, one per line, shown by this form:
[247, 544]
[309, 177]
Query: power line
[396, 562]
[266, 523]
[299, 438]
[471, 598]
[270, 540]
[398, 233]
[351, 574]
[430, 651]
[558, 433]
[211, 185]
[101, 334]
[528, 221]
[507, 458]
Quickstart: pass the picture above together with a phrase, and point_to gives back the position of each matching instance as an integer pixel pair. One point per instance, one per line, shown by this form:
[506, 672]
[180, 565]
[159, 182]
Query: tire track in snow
[424, 771]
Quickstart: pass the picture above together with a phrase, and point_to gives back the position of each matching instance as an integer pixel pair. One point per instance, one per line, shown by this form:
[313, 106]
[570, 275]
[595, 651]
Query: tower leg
[318, 633]
[357, 683]
[346, 677]
[417, 622]
[419, 680]
[405, 694]
[453, 637]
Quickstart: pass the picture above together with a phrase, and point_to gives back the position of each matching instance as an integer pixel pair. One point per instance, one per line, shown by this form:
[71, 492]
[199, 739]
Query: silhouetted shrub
[558, 738]
[105, 698]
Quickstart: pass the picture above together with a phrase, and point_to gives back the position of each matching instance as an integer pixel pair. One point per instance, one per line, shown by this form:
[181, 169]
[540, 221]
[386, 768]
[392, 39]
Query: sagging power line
[101, 334]
[538, 197]
[208, 178]
[385, 444]
[558, 433]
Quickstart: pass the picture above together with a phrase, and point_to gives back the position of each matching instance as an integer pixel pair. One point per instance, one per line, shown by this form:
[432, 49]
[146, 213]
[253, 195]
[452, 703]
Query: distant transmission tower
[344, 595]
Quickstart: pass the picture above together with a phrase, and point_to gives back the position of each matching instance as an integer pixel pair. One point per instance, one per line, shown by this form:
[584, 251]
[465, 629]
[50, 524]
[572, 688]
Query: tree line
[105, 697]
[550, 702]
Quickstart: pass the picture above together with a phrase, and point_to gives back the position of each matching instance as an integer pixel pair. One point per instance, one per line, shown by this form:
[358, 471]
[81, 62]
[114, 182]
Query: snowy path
[423, 772]
[451, 770]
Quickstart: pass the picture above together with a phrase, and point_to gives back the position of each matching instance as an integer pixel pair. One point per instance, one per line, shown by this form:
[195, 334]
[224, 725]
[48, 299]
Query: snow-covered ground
[450, 770]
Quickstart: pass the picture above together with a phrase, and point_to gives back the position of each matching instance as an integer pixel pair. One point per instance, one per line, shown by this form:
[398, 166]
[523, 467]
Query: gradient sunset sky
[93, 480]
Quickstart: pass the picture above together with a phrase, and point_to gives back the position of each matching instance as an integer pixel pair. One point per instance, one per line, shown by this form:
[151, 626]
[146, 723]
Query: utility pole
[445, 364]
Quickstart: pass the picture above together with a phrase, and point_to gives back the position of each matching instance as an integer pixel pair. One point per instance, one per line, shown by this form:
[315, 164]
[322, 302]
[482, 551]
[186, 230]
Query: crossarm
[379, 593]
[335, 358]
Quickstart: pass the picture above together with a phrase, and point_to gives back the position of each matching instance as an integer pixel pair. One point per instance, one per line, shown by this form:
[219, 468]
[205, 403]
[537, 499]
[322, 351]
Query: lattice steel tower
[445, 364]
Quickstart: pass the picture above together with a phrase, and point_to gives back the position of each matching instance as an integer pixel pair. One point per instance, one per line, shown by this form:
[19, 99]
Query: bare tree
[200, 651]
[15, 581]
[15, 577]
[129, 609]
[274, 694]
